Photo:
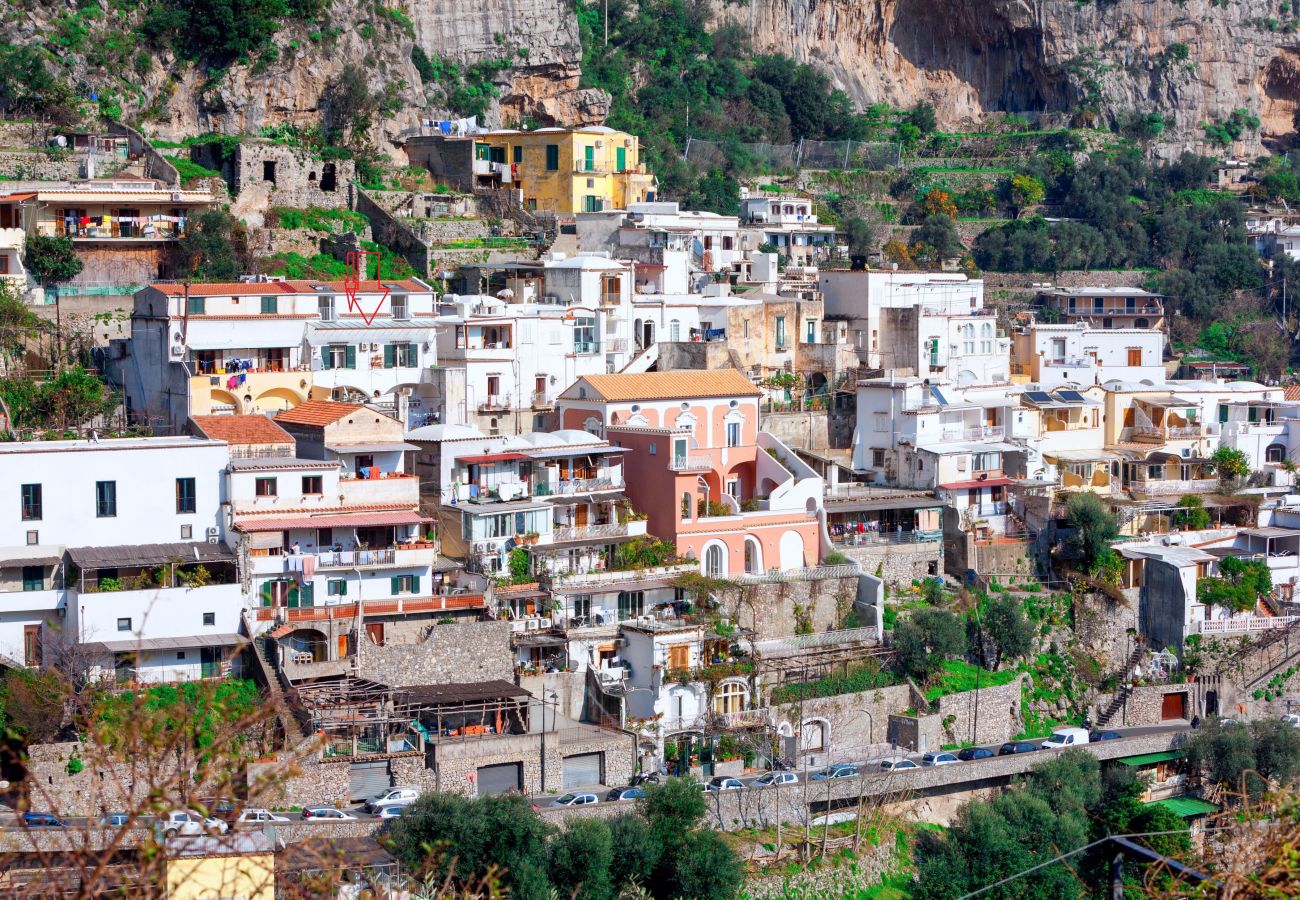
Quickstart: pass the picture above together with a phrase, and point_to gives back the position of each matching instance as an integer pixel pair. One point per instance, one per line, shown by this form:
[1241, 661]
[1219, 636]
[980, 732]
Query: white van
[1066, 737]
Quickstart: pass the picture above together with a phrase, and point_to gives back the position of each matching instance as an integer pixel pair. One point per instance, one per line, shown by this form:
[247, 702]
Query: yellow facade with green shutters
[569, 171]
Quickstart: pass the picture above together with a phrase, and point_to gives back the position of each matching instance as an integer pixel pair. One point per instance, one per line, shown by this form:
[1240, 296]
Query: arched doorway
[792, 550]
[306, 641]
[1211, 703]
[730, 698]
[753, 556]
[1275, 453]
[715, 561]
[647, 333]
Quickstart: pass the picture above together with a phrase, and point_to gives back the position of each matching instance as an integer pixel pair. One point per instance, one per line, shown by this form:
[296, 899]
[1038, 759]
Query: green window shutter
[518, 153]
[351, 361]
[293, 598]
[620, 158]
[413, 355]
[552, 157]
[325, 357]
[390, 355]
[266, 594]
[415, 584]
[343, 588]
[397, 585]
[308, 595]
[589, 158]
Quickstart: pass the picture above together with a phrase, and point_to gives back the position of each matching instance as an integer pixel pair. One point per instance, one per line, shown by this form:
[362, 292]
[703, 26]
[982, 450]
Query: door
[1173, 706]
[32, 645]
[345, 645]
[376, 632]
[365, 779]
[583, 770]
[209, 661]
[580, 515]
[500, 778]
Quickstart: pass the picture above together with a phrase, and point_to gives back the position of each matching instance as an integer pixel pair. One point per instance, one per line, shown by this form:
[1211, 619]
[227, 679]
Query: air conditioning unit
[599, 144]
[177, 196]
[212, 540]
[544, 622]
[213, 532]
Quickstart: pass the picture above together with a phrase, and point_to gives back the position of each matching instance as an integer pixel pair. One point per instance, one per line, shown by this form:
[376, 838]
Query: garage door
[1173, 706]
[582, 770]
[365, 779]
[499, 779]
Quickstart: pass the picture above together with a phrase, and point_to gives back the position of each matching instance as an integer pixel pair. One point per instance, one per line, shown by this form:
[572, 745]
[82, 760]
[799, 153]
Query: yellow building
[565, 171]
[220, 866]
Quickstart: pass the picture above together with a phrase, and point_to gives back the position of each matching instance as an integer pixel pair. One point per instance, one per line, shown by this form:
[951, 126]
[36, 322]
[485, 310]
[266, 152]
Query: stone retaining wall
[452, 653]
[1144, 705]
[38, 165]
[769, 608]
[991, 715]
[899, 564]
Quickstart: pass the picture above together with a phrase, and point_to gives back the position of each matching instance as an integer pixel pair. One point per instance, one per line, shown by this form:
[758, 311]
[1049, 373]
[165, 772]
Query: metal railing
[568, 486]
[974, 433]
[813, 573]
[495, 401]
[539, 400]
[800, 642]
[870, 538]
[1246, 626]
[348, 558]
[589, 532]
[691, 462]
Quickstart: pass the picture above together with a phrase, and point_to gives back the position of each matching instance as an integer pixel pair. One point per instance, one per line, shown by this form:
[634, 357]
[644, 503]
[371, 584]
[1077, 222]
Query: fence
[705, 155]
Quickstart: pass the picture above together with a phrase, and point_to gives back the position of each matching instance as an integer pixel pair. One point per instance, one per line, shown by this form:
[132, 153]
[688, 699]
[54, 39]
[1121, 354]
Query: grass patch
[959, 676]
[317, 218]
[865, 677]
[322, 267]
[189, 170]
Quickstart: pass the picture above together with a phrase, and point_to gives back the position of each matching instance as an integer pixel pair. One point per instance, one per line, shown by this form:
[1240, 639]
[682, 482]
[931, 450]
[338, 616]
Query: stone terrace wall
[392, 232]
[769, 608]
[806, 430]
[453, 653]
[1145, 704]
[998, 714]
[899, 564]
[849, 718]
[457, 761]
[37, 165]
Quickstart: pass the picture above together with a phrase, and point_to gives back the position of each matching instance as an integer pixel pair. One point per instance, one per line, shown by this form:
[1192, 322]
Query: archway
[278, 398]
[753, 555]
[219, 401]
[715, 560]
[1275, 453]
[730, 698]
[307, 640]
[813, 735]
[792, 550]
[647, 333]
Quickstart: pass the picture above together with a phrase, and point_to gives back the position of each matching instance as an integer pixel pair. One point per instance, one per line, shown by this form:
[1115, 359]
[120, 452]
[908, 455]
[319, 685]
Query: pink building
[728, 495]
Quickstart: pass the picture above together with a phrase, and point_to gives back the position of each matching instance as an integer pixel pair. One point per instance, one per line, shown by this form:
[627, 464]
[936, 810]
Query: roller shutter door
[582, 770]
[365, 779]
[499, 779]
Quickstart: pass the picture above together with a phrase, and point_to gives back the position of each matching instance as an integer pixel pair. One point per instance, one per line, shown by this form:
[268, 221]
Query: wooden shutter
[390, 355]
[415, 584]
[679, 656]
[412, 355]
[307, 595]
[351, 357]
[396, 585]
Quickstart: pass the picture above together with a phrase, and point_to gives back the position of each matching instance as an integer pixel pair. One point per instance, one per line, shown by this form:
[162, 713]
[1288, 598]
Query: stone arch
[278, 398]
[308, 640]
[814, 735]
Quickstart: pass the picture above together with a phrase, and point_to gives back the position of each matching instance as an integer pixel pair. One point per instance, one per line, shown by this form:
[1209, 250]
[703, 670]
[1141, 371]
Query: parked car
[775, 778]
[221, 808]
[394, 796]
[188, 822]
[326, 814]
[939, 759]
[572, 799]
[895, 763]
[969, 753]
[1012, 747]
[839, 770]
[389, 812]
[1096, 736]
[1292, 719]
[113, 820]
[723, 783]
[627, 792]
[257, 816]
[1228, 722]
[1066, 737]
[42, 820]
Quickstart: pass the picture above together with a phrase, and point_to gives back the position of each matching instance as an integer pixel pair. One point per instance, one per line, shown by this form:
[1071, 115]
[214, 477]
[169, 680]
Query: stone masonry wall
[899, 564]
[997, 720]
[807, 430]
[471, 651]
[769, 608]
[1145, 705]
[394, 233]
[457, 762]
[852, 721]
[36, 164]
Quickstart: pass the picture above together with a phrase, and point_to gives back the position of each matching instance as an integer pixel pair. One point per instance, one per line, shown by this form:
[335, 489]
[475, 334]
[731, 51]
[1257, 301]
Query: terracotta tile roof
[1291, 392]
[316, 412]
[685, 385]
[258, 288]
[242, 429]
[17, 198]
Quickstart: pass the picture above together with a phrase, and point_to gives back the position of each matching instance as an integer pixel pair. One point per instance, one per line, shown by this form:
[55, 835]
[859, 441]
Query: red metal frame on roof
[987, 482]
[490, 458]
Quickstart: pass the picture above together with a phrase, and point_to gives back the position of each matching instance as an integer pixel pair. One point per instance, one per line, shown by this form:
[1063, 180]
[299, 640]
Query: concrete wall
[852, 722]
[38, 165]
[806, 430]
[474, 651]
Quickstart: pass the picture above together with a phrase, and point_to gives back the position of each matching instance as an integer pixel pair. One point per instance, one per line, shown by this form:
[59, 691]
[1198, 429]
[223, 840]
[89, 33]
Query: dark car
[1104, 736]
[975, 753]
[1012, 747]
[42, 820]
[627, 792]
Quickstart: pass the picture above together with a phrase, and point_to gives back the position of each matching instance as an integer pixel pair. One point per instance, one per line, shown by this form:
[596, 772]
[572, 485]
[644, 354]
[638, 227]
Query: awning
[537, 639]
[370, 334]
[1271, 531]
[1082, 456]
[1150, 759]
[575, 451]
[149, 555]
[335, 520]
[1166, 402]
[386, 447]
[987, 482]
[265, 540]
[1187, 807]
[502, 506]
[834, 506]
[185, 643]
[32, 555]
[490, 458]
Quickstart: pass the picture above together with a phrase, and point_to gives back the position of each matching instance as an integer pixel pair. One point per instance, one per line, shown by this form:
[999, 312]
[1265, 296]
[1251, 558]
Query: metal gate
[501, 778]
[365, 779]
[582, 770]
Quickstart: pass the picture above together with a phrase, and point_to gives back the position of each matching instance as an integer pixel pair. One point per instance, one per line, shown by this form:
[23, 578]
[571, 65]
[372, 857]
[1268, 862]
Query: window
[810, 331]
[1156, 473]
[270, 306]
[986, 338]
[405, 584]
[679, 657]
[984, 462]
[123, 624]
[686, 506]
[552, 157]
[338, 356]
[653, 449]
[327, 309]
[630, 604]
[730, 698]
[1274, 453]
[33, 578]
[187, 532]
[517, 153]
[402, 356]
[312, 484]
[180, 655]
[733, 434]
[620, 159]
[336, 587]
[265, 487]
[402, 307]
[582, 607]
[31, 502]
[209, 619]
[105, 499]
[780, 332]
[968, 339]
[185, 501]
[1135, 356]
[33, 538]
[268, 170]
[675, 331]
[592, 202]
[713, 564]
[196, 306]
[878, 458]
[584, 335]
[589, 158]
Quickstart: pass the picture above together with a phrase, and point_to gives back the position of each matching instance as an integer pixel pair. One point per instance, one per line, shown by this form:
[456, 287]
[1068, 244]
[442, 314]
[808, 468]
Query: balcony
[885, 538]
[1164, 488]
[1157, 434]
[609, 579]
[586, 348]
[974, 433]
[540, 401]
[32, 601]
[692, 462]
[1076, 362]
[998, 508]
[599, 532]
[495, 402]
[395, 607]
[566, 487]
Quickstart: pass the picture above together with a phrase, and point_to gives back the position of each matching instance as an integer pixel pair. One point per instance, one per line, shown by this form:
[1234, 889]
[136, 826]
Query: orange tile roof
[16, 198]
[684, 385]
[1291, 392]
[242, 429]
[316, 412]
[255, 288]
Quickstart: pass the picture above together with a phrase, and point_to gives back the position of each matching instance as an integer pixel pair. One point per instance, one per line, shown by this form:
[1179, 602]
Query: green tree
[215, 247]
[693, 861]
[1237, 587]
[1025, 191]
[1230, 463]
[922, 116]
[1154, 819]
[73, 398]
[349, 104]
[1095, 526]
[717, 193]
[1069, 784]
[52, 260]
[580, 858]
[937, 239]
[925, 639]
[1277, 749]
[1190, 512]
[636, 851]
[861, 236]
[705, 868]
[1006, 626]
[1223, 753]
[18, 324]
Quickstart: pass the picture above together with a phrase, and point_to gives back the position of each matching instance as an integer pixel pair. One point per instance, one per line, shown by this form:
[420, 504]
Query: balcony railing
[998, 508]
[616, 576]
[1247, 625]
[974, 433]
[395, 606]
[539, 401]
[350, 558]
[599, 532]
[1076, 362]
[881, 538]
[495, 401]
[1175, 486]
[565, 487]
[692, 462]
[1171, 432]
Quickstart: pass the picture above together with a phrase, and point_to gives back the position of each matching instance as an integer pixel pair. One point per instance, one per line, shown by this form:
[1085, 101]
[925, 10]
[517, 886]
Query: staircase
[643, 361]
[1121, 696]
[269, 675]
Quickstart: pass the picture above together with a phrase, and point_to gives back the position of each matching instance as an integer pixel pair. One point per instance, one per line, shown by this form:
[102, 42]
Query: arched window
[968, 338]
[686, 506]
[730, 698]
[715, 565]
[675, 331]
[986, 339]
[753, 558]
[812, 736]
[1274, 453]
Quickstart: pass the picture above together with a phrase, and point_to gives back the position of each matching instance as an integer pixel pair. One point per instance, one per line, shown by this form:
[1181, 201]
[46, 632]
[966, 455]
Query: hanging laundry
[231, 383]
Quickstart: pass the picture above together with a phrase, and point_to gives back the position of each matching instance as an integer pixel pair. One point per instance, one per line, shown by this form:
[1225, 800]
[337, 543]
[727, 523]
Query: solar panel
[1071, 396]
[1038, 396]
[938, 395]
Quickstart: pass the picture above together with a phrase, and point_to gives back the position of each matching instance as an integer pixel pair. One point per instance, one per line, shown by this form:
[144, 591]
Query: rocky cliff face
[972, 57]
